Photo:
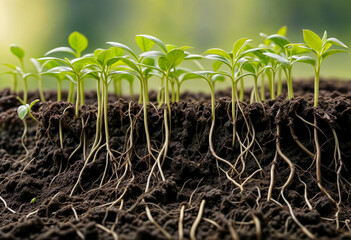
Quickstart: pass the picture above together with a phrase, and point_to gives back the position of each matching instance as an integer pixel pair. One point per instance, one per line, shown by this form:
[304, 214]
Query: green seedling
[78, 43]
[286, 63]
[78, 68]
[231, 60]
[25, 110]
[321, 48]
[276, 43]
[33, 200]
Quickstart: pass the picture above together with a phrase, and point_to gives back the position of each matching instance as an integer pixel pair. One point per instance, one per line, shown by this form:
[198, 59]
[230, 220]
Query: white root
[114, 234]
[197, 220]
[180, 223]
[3, 200]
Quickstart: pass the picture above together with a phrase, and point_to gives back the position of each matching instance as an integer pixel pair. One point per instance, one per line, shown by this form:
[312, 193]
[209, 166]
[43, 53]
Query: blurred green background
[39, 25]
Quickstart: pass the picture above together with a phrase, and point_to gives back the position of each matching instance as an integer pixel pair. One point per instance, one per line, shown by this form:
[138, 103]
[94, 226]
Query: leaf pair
[320, 47]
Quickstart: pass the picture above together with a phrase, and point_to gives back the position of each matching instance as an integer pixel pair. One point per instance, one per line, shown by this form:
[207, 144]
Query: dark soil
[192, 173]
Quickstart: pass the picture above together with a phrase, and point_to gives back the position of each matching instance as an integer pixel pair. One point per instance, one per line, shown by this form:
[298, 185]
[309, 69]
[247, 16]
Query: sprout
[321, 48]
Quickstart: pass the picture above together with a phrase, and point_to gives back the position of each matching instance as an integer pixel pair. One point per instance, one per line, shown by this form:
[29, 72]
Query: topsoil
[116, 209]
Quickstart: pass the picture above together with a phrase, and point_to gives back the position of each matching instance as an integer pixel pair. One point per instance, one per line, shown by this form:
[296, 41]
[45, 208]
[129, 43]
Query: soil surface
[110, 202]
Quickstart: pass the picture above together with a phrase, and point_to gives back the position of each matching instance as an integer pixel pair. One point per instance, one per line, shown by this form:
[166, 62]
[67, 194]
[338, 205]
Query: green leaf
[124, 47]
[282, 31]
[157, 41]
[332, 52]
[279, 40]
[219, 52]
[218, 77]
[238, 46]
[193, 57]
[219, 58]
[12, 66]
[305, 59]
[78, 42]
[312, 40]
[144, 43]
[17, 51]
[64, 61]
[216, 65]
[37, 65]
[112, 61]
[284, 62]
[325, 36]
[22, 111]
[32, 103]
[175, 57]
[60, 50]
[336, 42]
[152, 54]
[104, 56]
[130, 63]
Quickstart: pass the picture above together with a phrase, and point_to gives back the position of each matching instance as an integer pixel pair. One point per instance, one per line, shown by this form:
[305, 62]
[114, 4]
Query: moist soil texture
[269, 189]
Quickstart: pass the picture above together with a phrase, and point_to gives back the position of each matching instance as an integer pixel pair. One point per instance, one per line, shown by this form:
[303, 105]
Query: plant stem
[41, 92]
[25, 92]
[78, 97]
[131, 91]
[289, 83]
[257, 96]
[59, 90]
[70, 96]
[241, 97]
[82, 92]
[279, 87]
[262, 87]
[178, 92]
[173, 93]
[316, 82]
[14, 83]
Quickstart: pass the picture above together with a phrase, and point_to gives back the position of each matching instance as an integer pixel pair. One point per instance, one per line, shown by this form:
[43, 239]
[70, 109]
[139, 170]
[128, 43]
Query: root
[25, 167]
[114, 234]
[303, 228]
[287, 183]
[292, 132]
[305, 194]
[232, 232]
[271, 185]
[152, 220]
[258, 226]
[318, 160]
[24, 134]
[180, 223]
[3, 200]
[197, 220]
[338, 175]
[60, 134]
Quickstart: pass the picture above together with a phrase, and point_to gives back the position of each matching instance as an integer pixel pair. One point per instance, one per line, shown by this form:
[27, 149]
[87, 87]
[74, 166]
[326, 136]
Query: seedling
[25, 110]
[33, 200]
[78, 43]
[321, 48]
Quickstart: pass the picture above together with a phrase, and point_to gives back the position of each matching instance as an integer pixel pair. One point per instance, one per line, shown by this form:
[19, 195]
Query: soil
[116, 209]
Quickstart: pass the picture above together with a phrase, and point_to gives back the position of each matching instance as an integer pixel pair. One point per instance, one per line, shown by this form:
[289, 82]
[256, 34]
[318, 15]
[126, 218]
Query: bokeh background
[39, 25]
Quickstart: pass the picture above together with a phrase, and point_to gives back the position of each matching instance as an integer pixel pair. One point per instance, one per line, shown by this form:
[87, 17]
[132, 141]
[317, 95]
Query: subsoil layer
[110, 201]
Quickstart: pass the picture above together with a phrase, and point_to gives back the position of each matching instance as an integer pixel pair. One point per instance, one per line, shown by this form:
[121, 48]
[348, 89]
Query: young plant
[321, 48]
[286, 63]
[13, 71]
[78, 43]
[276, 43]
[79, 68]
[23, 111]
[231, 60]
